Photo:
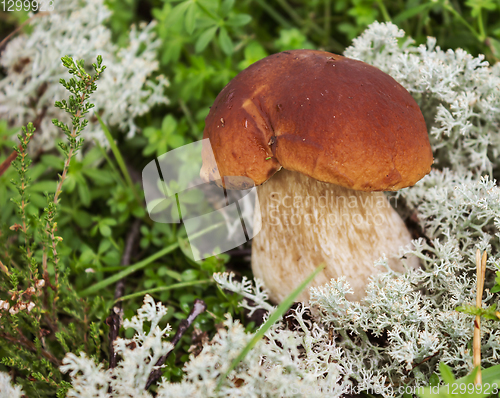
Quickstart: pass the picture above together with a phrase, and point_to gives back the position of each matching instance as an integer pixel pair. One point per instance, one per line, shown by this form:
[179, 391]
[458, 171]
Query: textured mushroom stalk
[306, 222]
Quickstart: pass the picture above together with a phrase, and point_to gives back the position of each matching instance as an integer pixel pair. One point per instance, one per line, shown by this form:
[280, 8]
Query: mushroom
[321, 136]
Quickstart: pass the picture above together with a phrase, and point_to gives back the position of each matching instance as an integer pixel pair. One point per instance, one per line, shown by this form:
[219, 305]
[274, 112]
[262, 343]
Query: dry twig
[198, 308]
[114, 318]
[480, 272]
[7, 162]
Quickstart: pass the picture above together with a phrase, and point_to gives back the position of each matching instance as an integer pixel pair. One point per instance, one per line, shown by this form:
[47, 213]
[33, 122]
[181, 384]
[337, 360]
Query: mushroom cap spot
[333, 118]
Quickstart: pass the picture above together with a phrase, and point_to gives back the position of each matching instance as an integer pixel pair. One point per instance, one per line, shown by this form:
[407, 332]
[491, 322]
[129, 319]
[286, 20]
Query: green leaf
[273, 317]
[162, 271]
[186, 248]
[105, 230]
[127, 271]
[83, 191]
[190, 275]
[488, 313]
[165, 288]
[495, 49]
[463, 387]
[238, 20]
[82, 218]
[446, 373]
[226, 7]
[411, 12]
[44, 186]
[168, 124]
[190, 18]
[53, 161]
[104, 246]
[495, 289]
[477, 6]
[225, 41]
[434, 380]
[205, 38]
[177, 12]
[99, 176]
[119, 159]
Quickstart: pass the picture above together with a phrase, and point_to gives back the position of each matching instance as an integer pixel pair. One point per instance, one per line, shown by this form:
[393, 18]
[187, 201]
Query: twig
[198, 308]
[4, 268]
[480, 272]
[115, 317]
[426, 359]
[11, 34]
[7, 162]
[30, 346]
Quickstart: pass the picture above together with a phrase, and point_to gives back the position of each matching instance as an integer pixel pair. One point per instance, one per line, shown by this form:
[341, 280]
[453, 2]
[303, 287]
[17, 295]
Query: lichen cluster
[32, 73]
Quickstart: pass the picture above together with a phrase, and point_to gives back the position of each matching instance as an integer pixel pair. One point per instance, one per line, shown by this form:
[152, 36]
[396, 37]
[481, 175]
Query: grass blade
[164, 288]
[141, 264]
[119, 159]
[127, 271]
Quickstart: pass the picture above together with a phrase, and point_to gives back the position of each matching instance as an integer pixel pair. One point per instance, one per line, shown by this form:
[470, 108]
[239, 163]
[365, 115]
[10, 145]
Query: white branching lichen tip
[257, 294]
[138, 358]
[7, 390]
[125, 89]
[276, 366]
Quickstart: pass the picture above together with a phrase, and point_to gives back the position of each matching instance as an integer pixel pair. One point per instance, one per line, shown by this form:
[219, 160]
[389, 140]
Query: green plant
[42, 315]
[463, 387]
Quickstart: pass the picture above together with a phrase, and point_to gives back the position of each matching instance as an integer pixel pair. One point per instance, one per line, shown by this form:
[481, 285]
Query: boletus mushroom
[321, 136]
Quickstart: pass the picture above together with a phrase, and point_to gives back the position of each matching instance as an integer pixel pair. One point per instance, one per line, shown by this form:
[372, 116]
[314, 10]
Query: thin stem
[293, 15]
[119, 160]
[188, 115]
[274, 14]
[143, 263]
[74, 134]
[10, 35]
[481, 25]
[198, 308]
[462, 20]
[327, 20]
[4, 268]
[23, 341]
[383, 10]
[480, 273]
[164, 289]
[22, 154]
[116, 312]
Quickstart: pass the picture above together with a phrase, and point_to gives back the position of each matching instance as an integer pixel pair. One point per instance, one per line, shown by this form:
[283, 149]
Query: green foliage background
[205, 43]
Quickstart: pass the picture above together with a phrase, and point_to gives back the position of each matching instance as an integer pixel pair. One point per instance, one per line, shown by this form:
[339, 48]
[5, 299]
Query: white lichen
[77, 28]
[7, 390]
[138, 358]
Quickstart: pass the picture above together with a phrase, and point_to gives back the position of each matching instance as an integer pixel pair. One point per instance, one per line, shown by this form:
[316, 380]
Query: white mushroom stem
[306, 223]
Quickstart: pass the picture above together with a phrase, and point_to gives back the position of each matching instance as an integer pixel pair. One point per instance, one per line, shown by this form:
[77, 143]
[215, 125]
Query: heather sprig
[30, 305]
[81, 86]
[21, 164]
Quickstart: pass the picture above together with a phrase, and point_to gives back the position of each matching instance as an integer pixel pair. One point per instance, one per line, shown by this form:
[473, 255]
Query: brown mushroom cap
[332, 118]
